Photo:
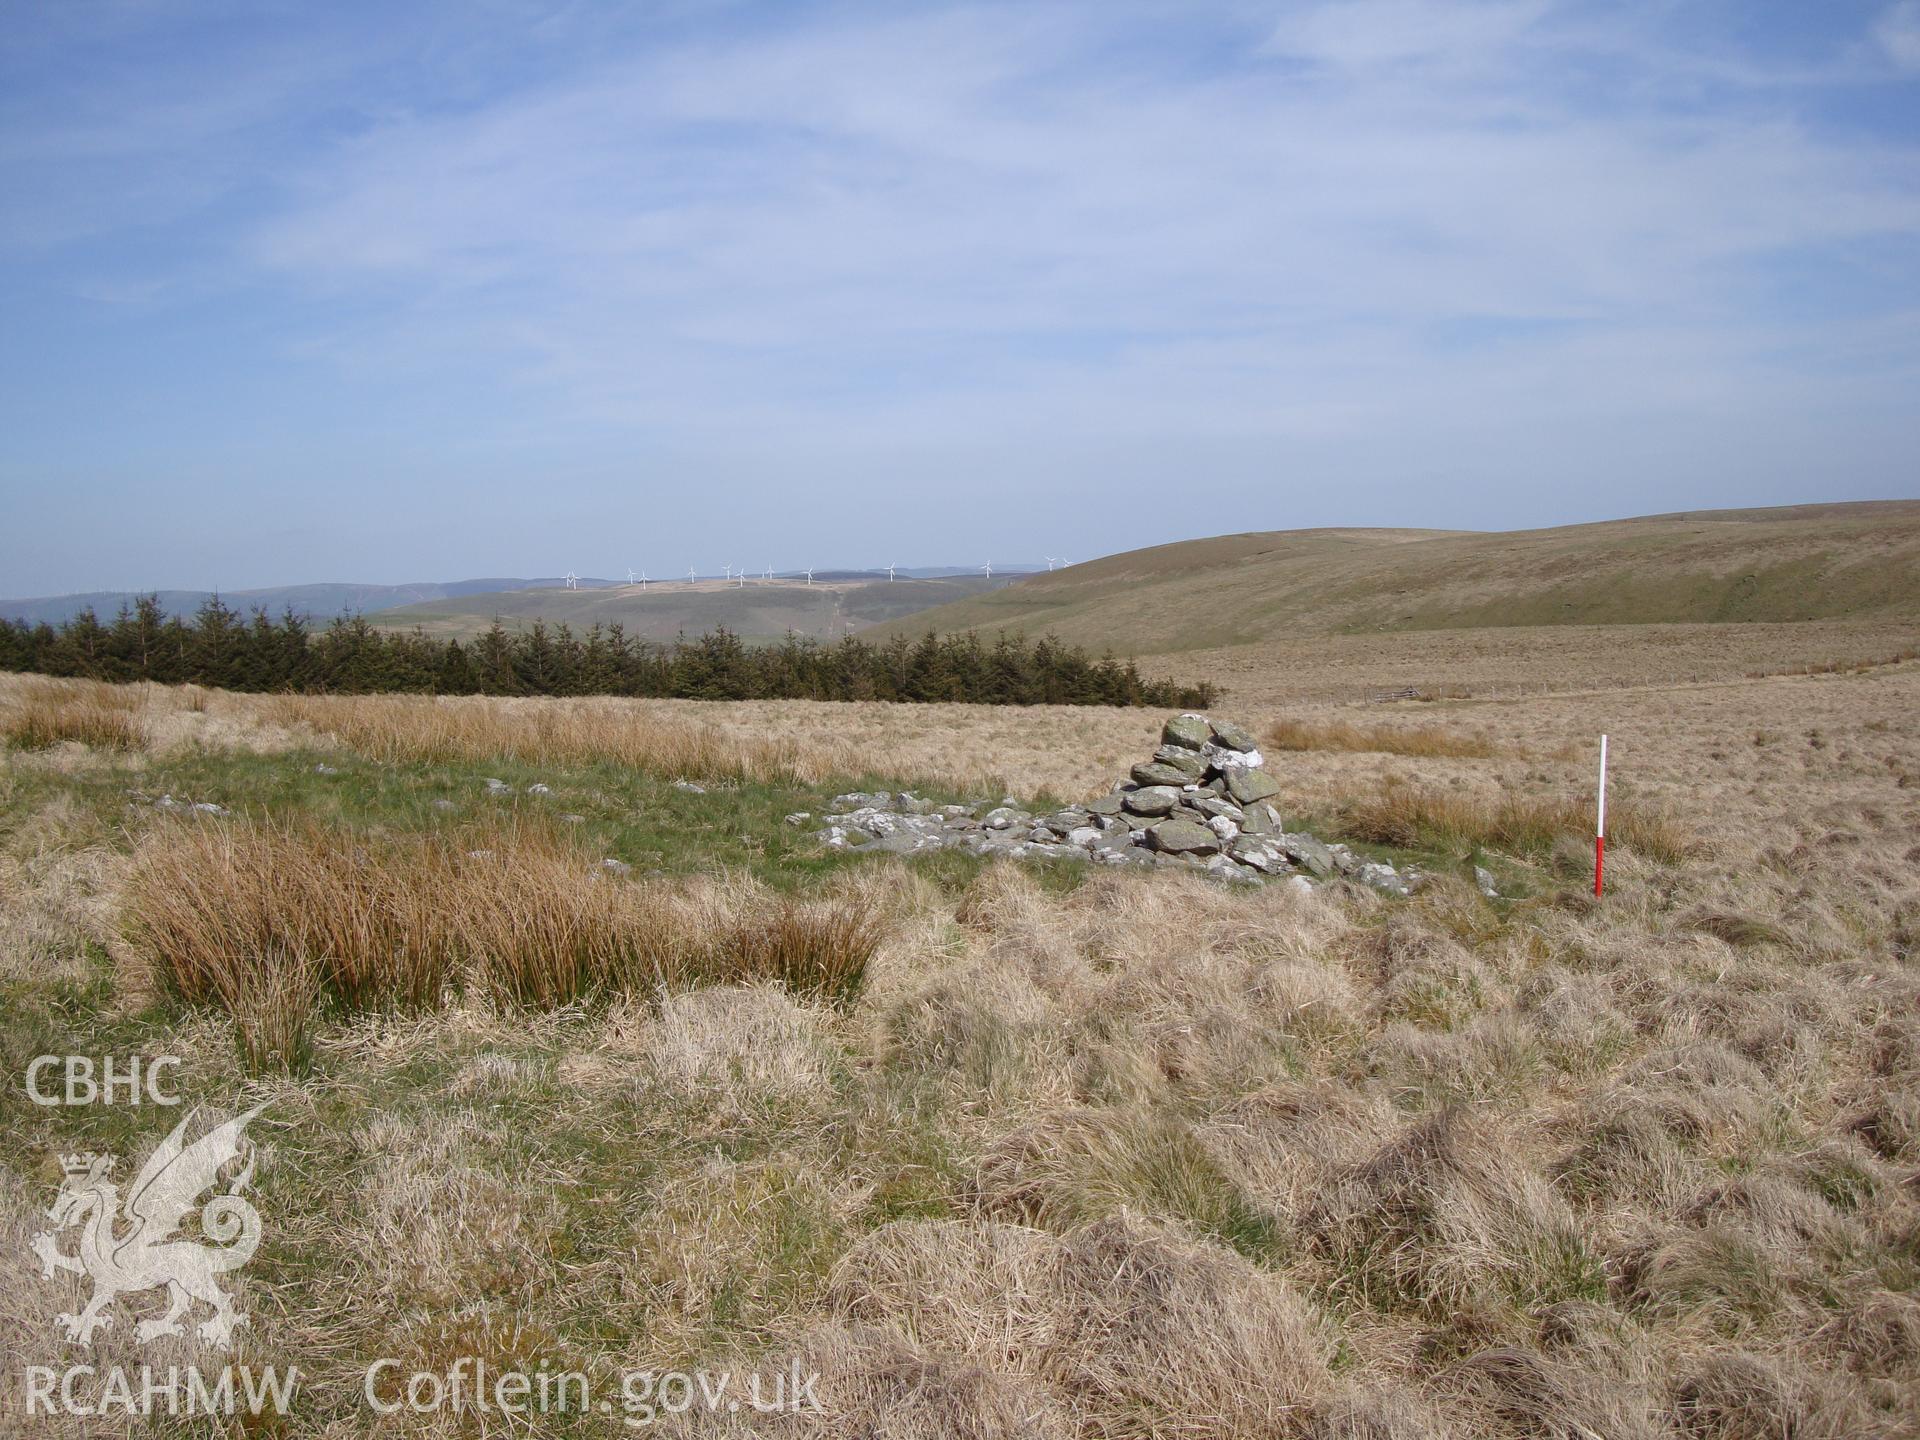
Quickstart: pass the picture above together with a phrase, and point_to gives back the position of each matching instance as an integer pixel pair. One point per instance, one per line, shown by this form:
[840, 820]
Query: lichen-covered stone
[1307, 851]
[1248, 786]
[1233, 737]
[1152, 800]
[1188, 731]
[1190, 763]
[1183, 837]
[1152, 772]
[1260, 819]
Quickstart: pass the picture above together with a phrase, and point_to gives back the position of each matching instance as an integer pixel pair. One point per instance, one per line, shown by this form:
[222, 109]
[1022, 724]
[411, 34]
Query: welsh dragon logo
[133, 1247]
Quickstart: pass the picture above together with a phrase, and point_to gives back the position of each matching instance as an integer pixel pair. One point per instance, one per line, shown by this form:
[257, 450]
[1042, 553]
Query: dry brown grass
[269, 923]
[86, 712]
[1398, 813]
[1419, 740]
[1151, 1156]
[421, 728]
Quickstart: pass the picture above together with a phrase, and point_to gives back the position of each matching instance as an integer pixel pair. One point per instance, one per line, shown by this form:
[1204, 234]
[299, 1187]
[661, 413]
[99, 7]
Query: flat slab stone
[1307, 851]
[1183, 837]
[1233, 737]
[1151, 800]
[1152, 772]
[1190, 763]
[1189, 731]
[1247, 786]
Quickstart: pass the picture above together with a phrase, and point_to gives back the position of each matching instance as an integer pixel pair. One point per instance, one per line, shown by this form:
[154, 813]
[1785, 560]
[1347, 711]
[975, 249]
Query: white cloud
[1375, 32]
[1047, 252]
[1898, 32]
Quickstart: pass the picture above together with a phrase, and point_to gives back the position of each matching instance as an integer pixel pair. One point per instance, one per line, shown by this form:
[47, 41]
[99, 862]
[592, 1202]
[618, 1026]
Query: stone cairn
[1202, 802]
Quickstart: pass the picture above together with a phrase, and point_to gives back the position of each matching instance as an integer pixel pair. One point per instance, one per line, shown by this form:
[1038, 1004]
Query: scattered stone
[498, 787]
[572, 819]
[1263, 855]
[1201, 804]
[444, 804]
[539, 789]
[325, 769]
[616, 867]
[207, 807]
[1484, 879]
[695, 789]
[1382, 877]
[1307, 851]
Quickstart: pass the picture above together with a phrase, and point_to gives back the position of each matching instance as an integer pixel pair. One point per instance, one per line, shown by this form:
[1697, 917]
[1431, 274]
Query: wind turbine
[890, 574]
[573, 581]
[988, 567]
[1050, 563]
[689, 574]
[629, 574]
[740, 578]
[809, 574]
[643, 582]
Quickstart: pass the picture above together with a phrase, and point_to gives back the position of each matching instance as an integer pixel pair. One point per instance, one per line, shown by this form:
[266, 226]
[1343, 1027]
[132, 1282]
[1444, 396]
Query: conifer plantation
[221, 647]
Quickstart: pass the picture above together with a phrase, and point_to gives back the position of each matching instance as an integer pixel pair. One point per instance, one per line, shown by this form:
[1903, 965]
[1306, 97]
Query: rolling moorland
[576, 1052]
[1857, 562]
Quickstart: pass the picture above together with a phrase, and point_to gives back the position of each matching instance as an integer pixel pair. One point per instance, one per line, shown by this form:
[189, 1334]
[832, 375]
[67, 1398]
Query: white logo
[131, 1248]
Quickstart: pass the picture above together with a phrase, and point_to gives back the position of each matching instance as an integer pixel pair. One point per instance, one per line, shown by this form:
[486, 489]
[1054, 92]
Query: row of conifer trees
[220, 646]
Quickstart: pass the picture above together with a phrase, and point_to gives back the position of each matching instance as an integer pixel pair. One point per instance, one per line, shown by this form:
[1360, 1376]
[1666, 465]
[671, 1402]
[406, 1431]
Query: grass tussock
[1399, 813]
[272, 923]
[1425, 741]
[439, 730]
[1124, 1318]
[1088, 1153]
[103, 717]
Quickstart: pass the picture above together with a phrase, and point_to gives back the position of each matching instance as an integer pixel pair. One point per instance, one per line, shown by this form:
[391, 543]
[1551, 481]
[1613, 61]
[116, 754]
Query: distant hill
[320, 602]
[1804, 562]
[758, 610]
[324, 601]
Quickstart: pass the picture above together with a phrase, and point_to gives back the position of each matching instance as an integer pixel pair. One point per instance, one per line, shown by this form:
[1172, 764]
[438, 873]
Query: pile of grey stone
[1202, 801]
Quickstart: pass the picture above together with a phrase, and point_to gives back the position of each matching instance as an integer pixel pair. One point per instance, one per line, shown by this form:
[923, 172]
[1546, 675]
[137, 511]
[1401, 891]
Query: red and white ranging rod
[1600, 823]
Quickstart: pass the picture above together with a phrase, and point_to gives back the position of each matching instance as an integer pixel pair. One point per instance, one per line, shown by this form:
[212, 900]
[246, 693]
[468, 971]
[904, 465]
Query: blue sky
[301, 292]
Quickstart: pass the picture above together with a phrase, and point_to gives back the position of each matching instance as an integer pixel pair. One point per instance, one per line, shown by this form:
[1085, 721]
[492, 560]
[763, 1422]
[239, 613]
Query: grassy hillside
[758, 610]
[1857, 561]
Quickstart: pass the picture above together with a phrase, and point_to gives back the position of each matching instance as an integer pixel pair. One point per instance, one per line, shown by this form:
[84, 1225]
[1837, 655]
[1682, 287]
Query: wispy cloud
[1485, 238]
